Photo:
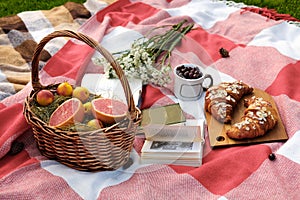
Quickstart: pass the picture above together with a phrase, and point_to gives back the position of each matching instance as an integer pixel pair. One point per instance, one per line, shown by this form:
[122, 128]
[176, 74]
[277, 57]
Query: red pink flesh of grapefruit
[108, 110]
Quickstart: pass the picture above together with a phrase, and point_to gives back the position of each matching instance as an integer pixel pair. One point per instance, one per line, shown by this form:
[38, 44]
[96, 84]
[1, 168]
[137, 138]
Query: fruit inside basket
[76, 127]
[76, 109]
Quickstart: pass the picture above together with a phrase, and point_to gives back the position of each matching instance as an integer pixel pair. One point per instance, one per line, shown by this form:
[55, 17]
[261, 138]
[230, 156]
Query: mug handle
[211, 81]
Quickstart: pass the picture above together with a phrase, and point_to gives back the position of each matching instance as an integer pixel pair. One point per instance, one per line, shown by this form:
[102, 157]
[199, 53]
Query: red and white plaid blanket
[264, 53]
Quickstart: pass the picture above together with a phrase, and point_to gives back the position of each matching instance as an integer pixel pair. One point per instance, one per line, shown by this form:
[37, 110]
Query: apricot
[65, 89]
[81, 93]
[88, 108]
[44, 97]
[95, 124]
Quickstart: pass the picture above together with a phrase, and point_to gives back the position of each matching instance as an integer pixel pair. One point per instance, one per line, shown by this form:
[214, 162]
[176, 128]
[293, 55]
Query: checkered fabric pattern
[19, 34]
[264, 52]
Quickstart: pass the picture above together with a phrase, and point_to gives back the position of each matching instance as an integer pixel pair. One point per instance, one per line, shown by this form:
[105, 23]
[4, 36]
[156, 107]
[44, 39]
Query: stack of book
[174, 144]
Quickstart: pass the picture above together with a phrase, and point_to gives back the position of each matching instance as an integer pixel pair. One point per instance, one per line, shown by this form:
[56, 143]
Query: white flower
[139, 61]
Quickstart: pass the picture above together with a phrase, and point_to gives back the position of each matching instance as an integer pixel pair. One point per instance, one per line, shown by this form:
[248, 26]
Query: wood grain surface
[217, 130]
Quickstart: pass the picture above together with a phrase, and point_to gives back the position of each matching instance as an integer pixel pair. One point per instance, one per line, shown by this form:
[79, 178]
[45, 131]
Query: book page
[171, 147]
[180, 133]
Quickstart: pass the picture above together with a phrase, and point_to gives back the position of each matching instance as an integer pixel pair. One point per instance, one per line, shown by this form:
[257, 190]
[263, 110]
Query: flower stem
[174, 37]
[148, 58]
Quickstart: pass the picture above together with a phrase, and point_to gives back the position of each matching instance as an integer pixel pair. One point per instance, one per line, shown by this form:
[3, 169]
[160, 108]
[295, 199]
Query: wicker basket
[103, 149]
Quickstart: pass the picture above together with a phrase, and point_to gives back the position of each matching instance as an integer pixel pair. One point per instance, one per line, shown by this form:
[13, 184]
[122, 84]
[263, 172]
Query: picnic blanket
[264, 52]
[19, 35]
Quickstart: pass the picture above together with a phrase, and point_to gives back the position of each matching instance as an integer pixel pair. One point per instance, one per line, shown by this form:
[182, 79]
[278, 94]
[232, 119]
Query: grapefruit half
[67, 113]
[108, 110]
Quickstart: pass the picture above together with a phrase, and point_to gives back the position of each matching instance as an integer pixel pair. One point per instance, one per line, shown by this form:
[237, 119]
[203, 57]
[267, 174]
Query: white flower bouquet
[149, 58]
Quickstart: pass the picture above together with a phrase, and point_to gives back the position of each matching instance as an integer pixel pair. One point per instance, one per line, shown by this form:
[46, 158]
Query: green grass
[281, 6]
[11, 7]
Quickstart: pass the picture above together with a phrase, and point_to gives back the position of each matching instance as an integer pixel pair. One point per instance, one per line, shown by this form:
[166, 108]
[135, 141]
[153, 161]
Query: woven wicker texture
[103, 149]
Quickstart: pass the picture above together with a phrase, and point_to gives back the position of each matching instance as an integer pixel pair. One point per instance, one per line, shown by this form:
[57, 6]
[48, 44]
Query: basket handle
[92, 43]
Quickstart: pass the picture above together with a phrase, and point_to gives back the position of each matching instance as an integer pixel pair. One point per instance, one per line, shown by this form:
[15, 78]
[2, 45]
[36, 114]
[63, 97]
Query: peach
[44, 97]
[64, 89]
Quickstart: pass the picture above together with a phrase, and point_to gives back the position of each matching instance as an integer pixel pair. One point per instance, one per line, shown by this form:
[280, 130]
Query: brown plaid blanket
[19, 35]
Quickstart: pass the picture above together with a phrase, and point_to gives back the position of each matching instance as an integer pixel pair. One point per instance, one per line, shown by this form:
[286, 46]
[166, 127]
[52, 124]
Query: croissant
[221, 100]
[259, 117]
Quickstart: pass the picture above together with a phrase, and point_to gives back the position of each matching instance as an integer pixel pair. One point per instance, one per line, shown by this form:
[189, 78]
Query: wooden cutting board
[217, 130]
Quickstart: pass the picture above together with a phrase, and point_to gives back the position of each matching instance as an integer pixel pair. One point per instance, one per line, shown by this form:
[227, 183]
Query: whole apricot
[87, 108]
[44, 97]
[65, 89]
[95, 124]
[81, 93]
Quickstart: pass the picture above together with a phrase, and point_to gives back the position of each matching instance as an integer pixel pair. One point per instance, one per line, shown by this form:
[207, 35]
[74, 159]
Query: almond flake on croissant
[259, 117]
[221, 100]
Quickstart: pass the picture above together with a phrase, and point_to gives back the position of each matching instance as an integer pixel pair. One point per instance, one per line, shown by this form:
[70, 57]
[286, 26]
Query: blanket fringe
[266, 12]
[271, 14]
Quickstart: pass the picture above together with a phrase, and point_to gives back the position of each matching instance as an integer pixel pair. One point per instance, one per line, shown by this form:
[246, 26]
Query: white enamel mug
[190, 89]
